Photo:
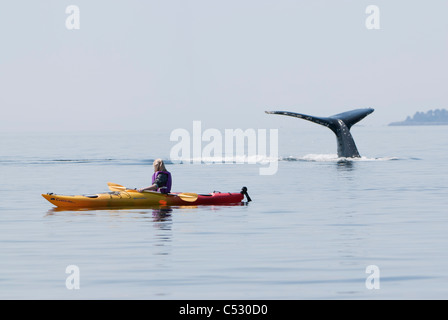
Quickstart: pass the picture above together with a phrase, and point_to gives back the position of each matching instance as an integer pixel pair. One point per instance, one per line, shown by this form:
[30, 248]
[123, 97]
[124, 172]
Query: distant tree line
[437, 115]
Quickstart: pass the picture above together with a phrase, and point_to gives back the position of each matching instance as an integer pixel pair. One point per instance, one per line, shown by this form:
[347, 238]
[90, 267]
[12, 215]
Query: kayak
[130, 198]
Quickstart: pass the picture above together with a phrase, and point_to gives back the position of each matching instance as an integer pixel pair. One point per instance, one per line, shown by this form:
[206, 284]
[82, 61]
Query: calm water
[309, 233]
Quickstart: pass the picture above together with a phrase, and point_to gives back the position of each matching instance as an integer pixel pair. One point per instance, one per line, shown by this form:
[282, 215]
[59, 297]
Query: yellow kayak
[132, 198]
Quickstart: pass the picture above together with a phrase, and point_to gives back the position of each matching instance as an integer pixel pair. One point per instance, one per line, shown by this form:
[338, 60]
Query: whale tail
[340, 124]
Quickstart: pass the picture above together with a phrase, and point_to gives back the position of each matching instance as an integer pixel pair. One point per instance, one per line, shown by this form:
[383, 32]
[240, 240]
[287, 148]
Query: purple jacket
[166, 188]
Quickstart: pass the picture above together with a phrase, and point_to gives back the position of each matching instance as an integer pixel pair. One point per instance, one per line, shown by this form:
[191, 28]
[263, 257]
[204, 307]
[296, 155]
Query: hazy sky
[162, 64]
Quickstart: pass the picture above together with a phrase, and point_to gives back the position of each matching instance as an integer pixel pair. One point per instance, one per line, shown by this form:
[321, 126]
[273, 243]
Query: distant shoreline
[405, 123]
[438, 117]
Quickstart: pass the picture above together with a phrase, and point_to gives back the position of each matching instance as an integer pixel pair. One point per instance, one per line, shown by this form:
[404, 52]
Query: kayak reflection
[156, 210]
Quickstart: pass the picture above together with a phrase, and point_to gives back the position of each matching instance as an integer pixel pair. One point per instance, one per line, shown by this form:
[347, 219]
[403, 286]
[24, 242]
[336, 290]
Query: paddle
[117, 187]
[186, 196]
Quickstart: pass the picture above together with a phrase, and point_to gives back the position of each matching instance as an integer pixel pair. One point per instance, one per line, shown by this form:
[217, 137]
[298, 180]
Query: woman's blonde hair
[159, 165]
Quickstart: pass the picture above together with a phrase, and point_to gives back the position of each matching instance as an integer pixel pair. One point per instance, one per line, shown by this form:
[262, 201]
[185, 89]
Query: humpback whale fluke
[340, 124]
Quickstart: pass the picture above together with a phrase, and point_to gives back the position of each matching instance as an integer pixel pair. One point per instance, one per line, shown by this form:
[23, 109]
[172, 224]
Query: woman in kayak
[161, 179]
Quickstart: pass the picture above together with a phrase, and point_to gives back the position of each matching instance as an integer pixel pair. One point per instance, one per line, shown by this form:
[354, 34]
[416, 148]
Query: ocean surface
[314, 229]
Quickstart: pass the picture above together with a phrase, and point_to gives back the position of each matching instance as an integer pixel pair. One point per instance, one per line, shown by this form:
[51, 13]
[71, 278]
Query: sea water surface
[310, 231]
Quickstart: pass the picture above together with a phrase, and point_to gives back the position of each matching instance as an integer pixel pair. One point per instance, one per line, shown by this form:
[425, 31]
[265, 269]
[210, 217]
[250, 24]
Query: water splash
[333, 158]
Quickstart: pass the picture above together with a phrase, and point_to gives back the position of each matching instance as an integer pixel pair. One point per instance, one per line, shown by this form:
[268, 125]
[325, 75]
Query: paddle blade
[115, 187]
[118, 187]
[189, 197]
